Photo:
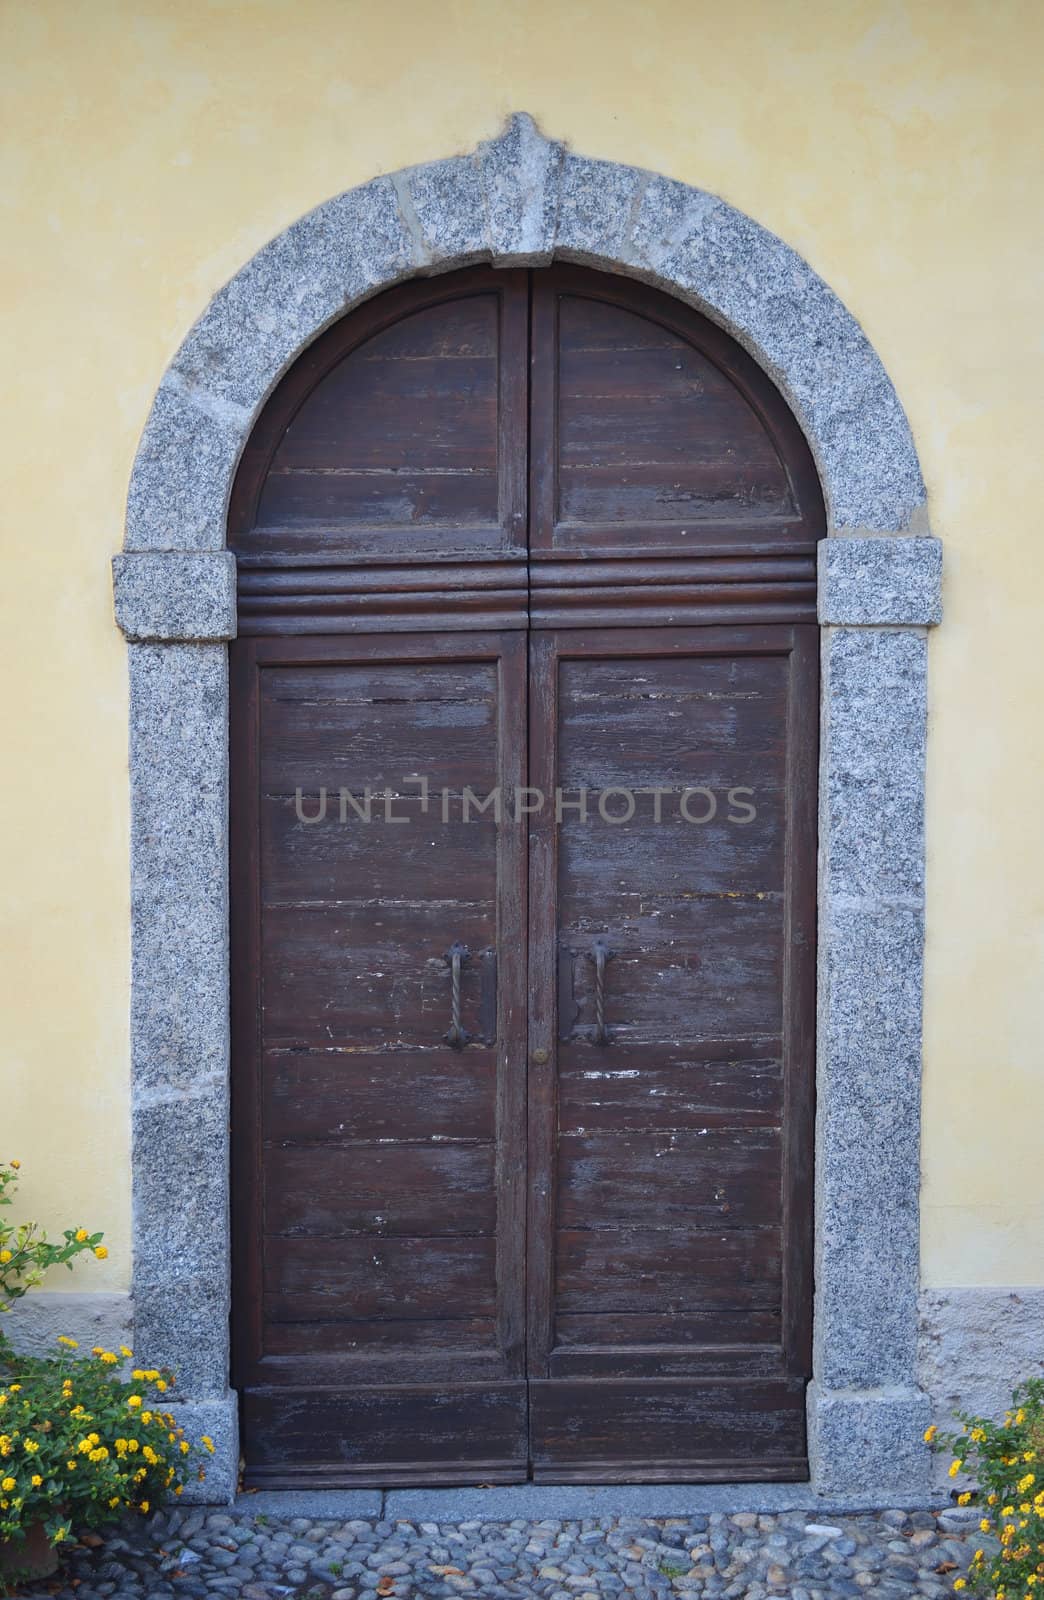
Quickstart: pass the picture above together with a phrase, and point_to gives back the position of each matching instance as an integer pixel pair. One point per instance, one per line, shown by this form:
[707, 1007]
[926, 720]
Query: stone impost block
[175, 596]
[875, 582]
[870, 1443]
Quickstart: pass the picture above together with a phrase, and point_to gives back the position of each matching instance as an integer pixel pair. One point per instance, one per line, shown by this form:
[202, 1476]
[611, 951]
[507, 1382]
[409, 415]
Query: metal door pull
[456, 956]
[600, 954]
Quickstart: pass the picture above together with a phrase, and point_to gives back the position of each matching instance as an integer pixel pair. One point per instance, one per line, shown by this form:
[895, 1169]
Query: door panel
[653, 433]
[380, 1218]
[670, 1125]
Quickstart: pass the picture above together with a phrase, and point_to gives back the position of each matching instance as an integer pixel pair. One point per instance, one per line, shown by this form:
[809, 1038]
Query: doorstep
[532, 1502]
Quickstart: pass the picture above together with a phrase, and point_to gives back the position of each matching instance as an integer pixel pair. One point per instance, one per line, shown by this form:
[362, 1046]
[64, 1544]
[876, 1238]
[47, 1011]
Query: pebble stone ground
[195, 1553]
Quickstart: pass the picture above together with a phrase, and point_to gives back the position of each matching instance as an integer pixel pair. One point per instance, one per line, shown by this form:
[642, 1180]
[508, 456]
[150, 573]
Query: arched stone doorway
[522, 202]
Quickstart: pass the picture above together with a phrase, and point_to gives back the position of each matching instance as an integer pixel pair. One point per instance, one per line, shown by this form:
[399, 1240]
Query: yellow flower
[161, 1385]
[5, 1256]
[108, 1359]
[152, 1375]
[955, 1467]
[1007, 1511]
[114, 1502]
[985, 1525]
[31, 1446]
[81, 1234]
[15, 1164]
[100, 1251]
[16, 1388]
[207, 1443]
[146, 1417]
[184, 1447]
[1020, 1416]
[978, 1435]
[178, 1488]
[132, 1447]
[1026, 1483]
[929, 1433]
[138, 1375]
[959, 1583]
[36, 1480]
[1029, 1455]
[965, 1498]
[71, 1465]
[144, 1506]
[134, 1401]
[8, 1484]
[128, 1354]
[70, 1344]
[991, 1499]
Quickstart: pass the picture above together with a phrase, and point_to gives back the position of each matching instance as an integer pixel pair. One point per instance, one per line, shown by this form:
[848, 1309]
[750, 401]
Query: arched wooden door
[523, 818]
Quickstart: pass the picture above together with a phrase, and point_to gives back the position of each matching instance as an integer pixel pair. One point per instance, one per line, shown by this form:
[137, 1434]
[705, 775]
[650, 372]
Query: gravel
[194, 1554]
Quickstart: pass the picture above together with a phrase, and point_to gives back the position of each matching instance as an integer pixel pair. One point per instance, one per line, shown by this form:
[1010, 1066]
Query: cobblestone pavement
[196, 1553]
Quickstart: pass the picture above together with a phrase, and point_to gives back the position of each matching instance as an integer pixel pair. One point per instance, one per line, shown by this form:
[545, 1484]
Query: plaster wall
[157, 146]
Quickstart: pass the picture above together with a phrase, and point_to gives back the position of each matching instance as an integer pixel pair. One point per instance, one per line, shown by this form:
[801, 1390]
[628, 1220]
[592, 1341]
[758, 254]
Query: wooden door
[381, 1161]
[672, 988]
[523, 1192]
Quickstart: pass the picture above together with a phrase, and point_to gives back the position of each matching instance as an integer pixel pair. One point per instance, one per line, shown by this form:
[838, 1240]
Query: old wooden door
[523, 735]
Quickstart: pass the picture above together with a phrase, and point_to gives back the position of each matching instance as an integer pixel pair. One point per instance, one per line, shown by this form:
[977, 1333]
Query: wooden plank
[725, 1178]
[665, 1087]
[365, 726]
[609, 1423]
[336, 855]
[667, 1271]
[333, 977]
[387, 1280]
[372, 1431]
[380, 1094]
[394, 1188]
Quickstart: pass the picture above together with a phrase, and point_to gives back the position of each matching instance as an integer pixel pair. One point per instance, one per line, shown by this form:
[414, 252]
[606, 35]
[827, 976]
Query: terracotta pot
[31, 1557]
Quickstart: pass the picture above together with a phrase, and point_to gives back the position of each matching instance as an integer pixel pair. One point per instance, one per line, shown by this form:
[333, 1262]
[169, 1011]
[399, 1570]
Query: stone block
[872, 582]
[175, 596]
[869, 1444]
[872, 766]
[520, 171]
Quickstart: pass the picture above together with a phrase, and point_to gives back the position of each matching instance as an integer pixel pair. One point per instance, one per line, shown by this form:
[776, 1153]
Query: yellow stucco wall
[151, 146]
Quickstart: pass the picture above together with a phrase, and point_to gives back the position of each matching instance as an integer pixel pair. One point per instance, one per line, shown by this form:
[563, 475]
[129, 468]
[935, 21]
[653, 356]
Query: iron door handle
[457, 1036]
[456, 956]
[600, 955]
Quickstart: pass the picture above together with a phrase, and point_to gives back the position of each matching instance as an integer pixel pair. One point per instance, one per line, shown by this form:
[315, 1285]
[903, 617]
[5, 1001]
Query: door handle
[600, 955]
[456, 956]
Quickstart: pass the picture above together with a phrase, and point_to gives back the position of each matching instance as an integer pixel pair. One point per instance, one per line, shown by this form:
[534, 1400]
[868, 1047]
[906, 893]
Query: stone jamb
[522, 200]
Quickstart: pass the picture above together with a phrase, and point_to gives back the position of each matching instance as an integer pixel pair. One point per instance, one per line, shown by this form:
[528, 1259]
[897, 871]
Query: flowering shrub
[26, 1253]
[81, 1442]
[83, 1438]
[1007, 1462]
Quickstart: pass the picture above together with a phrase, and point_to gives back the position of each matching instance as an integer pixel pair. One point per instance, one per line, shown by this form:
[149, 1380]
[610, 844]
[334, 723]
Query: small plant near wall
[1005, 1460]
[85, 1438]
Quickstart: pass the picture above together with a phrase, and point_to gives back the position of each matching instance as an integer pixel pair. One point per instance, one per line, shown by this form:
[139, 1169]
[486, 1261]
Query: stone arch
[521, 200]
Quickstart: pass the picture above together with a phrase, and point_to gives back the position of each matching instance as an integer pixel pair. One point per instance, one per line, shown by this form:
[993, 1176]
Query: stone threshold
[533, 1502]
